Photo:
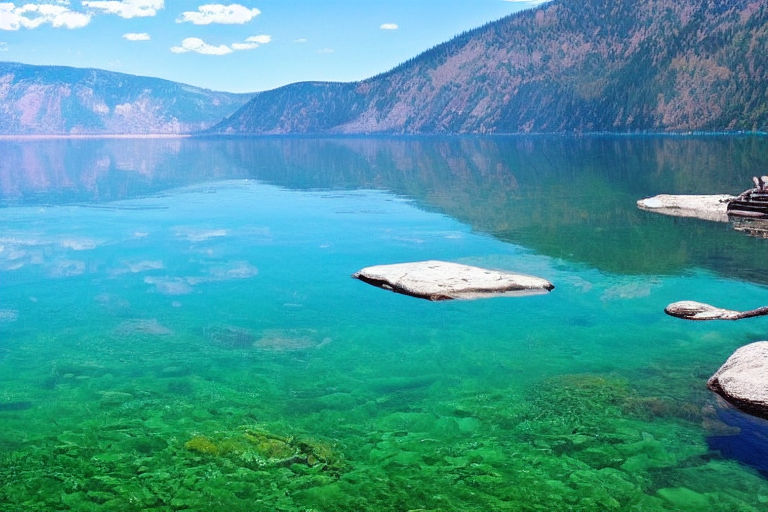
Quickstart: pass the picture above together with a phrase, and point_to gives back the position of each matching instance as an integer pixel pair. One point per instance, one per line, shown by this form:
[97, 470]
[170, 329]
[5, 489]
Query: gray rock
[743, 379]
[441, 280]
[706, 207]
[692, 310]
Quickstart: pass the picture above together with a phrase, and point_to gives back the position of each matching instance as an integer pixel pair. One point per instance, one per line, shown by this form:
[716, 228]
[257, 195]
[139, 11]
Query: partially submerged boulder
[692, 310]
[441, 280]
[743, 379]
[706, 207]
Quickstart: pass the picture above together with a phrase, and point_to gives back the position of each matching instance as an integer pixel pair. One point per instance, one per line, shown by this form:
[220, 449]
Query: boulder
[441, 280]
[692, 310]
[743, 379]
[706, 207]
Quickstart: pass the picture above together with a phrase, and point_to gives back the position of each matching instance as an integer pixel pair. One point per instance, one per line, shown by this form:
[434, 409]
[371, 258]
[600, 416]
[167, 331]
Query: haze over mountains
[64, 100]
[565, 67]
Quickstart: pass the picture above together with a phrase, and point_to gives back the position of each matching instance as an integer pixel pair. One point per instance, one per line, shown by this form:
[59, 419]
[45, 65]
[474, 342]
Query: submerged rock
[290, 340]
[742, 379]
[21, 405]
[706, 207]
[258, 448]
[143, 326]
[230, 336]
[441, 280]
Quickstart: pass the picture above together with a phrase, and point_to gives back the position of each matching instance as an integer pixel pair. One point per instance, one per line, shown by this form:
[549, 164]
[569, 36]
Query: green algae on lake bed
[577, 444]
[206, 349]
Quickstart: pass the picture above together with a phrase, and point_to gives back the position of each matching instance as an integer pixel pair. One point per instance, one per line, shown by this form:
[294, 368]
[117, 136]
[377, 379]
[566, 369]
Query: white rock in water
[712, 207]
[692, 310]
[440, 280]
[743, 379]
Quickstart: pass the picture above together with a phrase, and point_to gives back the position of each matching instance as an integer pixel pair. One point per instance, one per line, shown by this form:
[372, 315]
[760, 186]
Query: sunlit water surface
[179, 329]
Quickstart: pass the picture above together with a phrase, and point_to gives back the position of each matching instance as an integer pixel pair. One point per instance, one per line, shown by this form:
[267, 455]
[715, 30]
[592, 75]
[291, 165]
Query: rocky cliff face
[61, 100]
[567, 66]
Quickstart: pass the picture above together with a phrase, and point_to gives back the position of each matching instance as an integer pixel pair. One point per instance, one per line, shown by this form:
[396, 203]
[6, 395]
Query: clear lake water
[179, 329]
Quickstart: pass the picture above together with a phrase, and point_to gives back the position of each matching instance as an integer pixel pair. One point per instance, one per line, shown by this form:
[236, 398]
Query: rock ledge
[706, 207]
[441, 280]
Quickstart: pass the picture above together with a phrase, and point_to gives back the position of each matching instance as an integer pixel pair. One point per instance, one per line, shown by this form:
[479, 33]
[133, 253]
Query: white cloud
[252, 42]
[260, 39]
[325, 51]
[301, 40]
[134, 36]
[9, 20]
[70, 19]
[31, 16]
[126, 8]
[245, 46]
[197, 45]
[194, 44]
[218, 13]
[389, 26]
[3, 46]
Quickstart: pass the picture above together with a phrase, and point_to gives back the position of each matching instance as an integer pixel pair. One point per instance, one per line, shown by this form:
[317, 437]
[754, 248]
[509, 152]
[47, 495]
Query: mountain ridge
[616, 66]
[563, 67]
[65, 100]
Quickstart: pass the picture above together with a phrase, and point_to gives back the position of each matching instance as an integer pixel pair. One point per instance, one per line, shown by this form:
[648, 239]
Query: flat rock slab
[743, 379]
[706, 207]
[441, 280]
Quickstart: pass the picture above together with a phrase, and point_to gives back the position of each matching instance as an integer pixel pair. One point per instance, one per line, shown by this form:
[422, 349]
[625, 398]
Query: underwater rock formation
[148, 326]
[252, 446]
[741, 379]
[441, 280]
[706, 207]
[230, 336]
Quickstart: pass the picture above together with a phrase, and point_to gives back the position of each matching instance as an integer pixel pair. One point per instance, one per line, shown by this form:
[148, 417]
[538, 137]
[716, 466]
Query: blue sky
[242, 46]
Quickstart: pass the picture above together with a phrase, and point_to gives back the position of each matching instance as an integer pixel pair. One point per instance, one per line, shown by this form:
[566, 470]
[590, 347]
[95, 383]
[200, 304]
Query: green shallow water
[179, 329]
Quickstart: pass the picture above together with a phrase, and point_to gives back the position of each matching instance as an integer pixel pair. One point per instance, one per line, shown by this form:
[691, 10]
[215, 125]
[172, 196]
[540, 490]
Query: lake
[179, 329]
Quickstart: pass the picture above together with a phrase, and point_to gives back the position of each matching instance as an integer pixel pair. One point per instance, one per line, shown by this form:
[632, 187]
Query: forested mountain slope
[566, 66]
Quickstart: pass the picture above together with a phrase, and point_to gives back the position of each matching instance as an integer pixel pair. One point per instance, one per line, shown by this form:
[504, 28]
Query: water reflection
[757, 228]
[570, 198]
[60, 171]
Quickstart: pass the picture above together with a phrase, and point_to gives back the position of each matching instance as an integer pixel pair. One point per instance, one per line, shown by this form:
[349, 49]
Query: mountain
[567, 66]
[64, 100]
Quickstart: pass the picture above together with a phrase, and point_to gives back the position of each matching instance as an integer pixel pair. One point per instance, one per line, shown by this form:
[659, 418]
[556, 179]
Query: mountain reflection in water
[570, 198]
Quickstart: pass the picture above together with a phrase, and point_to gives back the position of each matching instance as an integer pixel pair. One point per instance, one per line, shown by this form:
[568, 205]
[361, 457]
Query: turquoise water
[179, 329]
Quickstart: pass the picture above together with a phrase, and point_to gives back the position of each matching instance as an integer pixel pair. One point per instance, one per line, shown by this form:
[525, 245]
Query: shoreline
[97, 136]
[63, 136]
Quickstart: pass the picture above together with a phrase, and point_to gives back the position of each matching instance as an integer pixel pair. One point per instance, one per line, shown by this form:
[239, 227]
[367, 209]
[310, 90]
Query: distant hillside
[567, 66]
[63, 100]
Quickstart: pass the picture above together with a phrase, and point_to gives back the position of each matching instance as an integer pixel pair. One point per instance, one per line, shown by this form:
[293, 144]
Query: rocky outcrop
[441, 280]
[706, 207]
[742, 379]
